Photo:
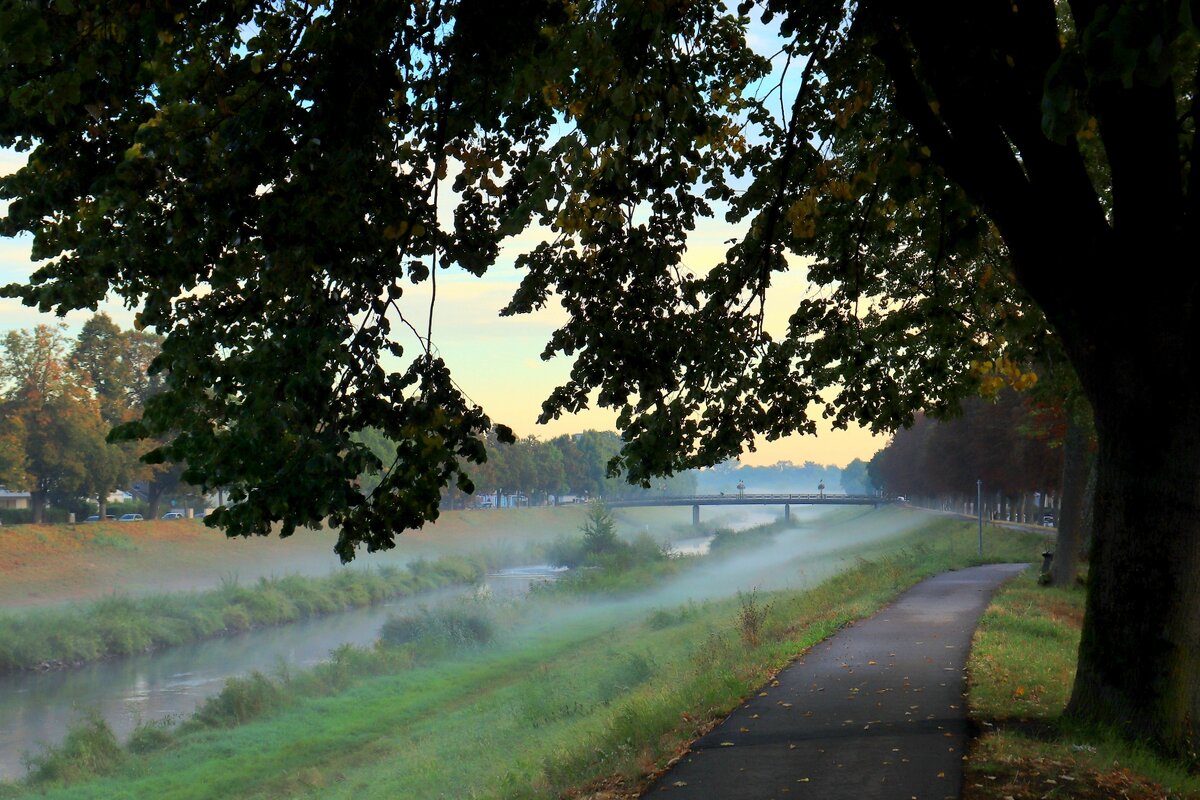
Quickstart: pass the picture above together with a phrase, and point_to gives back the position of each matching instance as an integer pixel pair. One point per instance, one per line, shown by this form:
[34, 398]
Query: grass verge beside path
[586, 700]
[1021, 668]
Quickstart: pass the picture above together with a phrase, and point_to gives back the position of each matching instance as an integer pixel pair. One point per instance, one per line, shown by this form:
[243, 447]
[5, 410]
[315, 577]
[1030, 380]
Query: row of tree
[571, 464]
[60, 398]
[1010, 443]
[577, 464]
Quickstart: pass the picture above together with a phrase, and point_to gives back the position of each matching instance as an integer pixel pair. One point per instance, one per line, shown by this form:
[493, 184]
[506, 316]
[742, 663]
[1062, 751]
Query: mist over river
[37, 708]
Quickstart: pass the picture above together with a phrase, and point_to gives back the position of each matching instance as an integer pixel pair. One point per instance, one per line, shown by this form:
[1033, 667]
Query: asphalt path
[875, 711]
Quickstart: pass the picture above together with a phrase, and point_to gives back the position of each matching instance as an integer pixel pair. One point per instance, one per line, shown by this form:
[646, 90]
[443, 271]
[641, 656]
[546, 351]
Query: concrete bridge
[785, 500]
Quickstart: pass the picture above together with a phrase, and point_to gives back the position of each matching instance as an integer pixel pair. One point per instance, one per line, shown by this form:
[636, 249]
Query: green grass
[568, 696]
[116, 541]
[119, 625]
[1021, 669]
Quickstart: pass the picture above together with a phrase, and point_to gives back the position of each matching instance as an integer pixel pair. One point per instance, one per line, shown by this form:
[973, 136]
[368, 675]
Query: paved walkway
[875, 711]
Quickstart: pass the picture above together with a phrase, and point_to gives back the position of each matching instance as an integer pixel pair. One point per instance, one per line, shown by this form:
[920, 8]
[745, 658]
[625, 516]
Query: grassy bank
[121, 625]
[574, 699]
[42, 565]
[1021, 668]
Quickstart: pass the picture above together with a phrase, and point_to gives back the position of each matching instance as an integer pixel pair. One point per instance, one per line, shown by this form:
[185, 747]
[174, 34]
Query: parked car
[1048, 519]
[96, 518]
[173, 515]
[130, 518]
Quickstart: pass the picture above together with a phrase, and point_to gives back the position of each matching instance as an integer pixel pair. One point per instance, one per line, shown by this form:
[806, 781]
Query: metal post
[787, 513]
[979, 499]
[696, 515]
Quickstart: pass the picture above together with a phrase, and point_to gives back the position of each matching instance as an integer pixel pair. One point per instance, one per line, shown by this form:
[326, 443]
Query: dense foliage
[58, 405]
[1008, 443]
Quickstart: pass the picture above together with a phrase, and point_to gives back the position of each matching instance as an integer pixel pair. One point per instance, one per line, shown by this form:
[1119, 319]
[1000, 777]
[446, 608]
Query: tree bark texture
[1070, 516]
[1087, 525]
[1139, 658]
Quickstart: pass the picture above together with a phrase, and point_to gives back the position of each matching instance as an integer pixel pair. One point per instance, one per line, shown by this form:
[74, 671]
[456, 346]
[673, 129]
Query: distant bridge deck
[785, 500]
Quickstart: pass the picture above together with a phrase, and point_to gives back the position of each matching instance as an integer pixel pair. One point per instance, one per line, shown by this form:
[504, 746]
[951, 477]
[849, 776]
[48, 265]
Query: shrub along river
[37, 708]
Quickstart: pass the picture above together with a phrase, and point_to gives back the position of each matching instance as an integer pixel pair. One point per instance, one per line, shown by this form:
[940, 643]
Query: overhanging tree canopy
[265, 178]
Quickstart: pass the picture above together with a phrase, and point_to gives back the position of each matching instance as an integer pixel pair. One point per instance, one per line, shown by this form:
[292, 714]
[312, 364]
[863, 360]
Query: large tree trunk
[1087, 526]
[1139, 659]
[37, 506]
[1070, 513]
[153, 499]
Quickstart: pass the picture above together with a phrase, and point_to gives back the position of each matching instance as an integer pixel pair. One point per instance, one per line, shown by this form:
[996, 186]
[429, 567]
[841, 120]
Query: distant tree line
[60, 398]
[1010, 442]
[782, 477]
[570, 464]
[576, 465]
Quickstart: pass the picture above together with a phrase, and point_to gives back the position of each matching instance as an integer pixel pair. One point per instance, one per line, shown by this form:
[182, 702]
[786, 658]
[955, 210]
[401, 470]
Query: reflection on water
[36, 708]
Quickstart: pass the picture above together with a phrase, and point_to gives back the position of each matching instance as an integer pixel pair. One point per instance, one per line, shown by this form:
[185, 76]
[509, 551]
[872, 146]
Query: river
[37, 708]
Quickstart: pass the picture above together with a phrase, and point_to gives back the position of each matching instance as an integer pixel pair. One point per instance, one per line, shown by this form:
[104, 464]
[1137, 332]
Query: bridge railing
[701, 499]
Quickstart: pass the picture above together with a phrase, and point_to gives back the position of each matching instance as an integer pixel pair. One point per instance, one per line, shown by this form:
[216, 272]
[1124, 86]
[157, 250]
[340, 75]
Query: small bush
[566, 552]
[15, 516]
[455, 626]
[150, 737]
[237, 618]
[644, 548]
[751, 616]
[90, 748]
[241, 700]
[722, 538]
[600, 530]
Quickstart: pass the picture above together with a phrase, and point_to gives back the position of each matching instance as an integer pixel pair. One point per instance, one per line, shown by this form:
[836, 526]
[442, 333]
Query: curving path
[875, 711]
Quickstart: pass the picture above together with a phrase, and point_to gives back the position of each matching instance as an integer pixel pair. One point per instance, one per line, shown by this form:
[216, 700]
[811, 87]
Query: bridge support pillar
[696, 515]
[787, 512]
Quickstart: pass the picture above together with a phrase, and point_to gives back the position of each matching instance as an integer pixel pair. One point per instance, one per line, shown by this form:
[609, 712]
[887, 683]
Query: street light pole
[979, 508]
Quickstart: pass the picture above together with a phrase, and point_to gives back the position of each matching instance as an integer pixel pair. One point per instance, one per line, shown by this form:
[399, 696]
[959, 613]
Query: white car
[130, 518]
[173, 515]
